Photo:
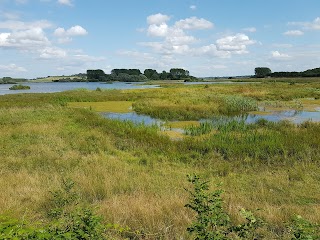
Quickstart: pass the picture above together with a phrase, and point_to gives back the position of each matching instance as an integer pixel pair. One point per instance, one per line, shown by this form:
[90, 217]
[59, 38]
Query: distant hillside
[9, 80]
[72, 78]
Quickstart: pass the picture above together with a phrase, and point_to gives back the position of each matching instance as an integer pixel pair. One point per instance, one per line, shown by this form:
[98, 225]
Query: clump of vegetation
[212, 221]
[19, 87]
[69, 218]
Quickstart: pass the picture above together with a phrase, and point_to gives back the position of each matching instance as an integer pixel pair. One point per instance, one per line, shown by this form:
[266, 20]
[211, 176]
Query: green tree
[178, 73]
[151, 74]
[262, 72]
[96, 75]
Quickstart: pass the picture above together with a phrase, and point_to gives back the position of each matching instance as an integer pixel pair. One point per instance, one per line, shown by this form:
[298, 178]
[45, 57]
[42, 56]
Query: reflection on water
[135, 118]
[51, 87]
[290, 115]
[276, 116]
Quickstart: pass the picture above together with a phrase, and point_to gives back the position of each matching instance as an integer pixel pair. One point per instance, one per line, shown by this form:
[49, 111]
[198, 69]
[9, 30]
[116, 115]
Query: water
[135, 118]
[290, 115]
[275, 116]
[65, 86]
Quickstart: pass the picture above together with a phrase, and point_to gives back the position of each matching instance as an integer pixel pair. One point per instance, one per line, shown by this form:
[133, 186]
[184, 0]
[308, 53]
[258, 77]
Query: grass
[110, 106]
[136, 177]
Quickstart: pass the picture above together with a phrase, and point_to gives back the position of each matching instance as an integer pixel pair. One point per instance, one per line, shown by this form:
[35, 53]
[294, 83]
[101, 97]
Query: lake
[51, 87]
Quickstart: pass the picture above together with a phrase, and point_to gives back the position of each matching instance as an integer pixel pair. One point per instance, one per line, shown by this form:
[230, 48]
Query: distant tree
[311, 73]
[151, 74]
[116, 72]
[95, 75]
[178, 73]
[262, 72]
[165, 75]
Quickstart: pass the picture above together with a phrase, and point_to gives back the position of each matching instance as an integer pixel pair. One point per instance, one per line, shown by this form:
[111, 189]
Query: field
[134, 177]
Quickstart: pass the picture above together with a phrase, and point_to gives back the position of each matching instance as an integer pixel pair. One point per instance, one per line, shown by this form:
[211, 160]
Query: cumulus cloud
[27, 39]
[194, 23]
[176, 39]
[235, 44]
[65, 36]
[158, 30]
[65, 2]
[157, 19]
[12, 68]
[71, 32]
[279, 56]
[193, 7]
[293, 33]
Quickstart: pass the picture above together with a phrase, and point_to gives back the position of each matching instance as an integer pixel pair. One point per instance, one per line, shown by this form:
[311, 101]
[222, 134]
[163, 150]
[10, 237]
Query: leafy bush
[19, 87]
[212, 222]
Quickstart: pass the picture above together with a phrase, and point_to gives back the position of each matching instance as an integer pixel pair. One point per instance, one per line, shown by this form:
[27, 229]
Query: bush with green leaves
[212, 221]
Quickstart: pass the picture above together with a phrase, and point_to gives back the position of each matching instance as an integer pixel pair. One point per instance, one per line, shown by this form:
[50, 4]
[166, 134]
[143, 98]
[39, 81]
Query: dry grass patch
[110, 106]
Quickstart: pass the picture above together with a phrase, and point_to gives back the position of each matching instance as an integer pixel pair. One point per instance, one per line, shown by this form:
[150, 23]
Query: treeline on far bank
[135, 75]
[262, 72]
[9, 80]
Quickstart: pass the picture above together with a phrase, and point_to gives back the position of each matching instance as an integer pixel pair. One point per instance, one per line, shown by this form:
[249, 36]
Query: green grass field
[135, 177]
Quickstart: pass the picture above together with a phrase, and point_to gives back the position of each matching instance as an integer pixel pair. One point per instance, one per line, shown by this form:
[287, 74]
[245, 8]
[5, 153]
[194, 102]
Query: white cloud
[65, 36]
[27, 39]
[250, 29]
[194, 23]
[193, 7]
[157, 19]
[280, 56]
[19, 25]
[211, 51]
[314, 25]
[71, 32]
[52, 52]
[158, 30]
[65, 2]
[294, 33]
[235, 44]
[176, 40]
[12, 68]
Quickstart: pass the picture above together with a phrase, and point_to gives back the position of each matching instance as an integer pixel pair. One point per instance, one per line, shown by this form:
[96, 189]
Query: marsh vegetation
[135, 178]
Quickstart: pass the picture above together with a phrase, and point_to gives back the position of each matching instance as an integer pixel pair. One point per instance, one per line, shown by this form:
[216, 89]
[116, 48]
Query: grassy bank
[135, 177]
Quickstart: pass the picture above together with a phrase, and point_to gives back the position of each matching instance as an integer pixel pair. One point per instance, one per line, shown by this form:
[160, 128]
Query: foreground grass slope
[136, 177]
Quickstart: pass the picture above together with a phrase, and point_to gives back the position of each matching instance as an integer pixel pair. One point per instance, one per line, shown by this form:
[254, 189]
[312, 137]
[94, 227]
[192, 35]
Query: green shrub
[212, 222]
[19, 87]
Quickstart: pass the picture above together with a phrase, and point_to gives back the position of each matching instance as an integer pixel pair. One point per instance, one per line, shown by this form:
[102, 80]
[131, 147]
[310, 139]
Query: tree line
[135, 75]
[262, 72]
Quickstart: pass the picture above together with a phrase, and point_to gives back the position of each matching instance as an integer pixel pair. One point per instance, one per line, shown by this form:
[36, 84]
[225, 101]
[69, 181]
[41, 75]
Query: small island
[19, 87]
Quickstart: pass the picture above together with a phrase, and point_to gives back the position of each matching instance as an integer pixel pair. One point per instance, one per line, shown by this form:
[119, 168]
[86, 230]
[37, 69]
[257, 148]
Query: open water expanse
[50, 87]
[65, 86]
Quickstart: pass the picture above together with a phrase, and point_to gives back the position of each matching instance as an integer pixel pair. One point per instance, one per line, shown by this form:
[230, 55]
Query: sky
[41, 38]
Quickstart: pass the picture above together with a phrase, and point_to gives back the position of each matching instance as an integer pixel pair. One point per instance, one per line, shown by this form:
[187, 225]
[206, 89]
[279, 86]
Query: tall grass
[135, 177]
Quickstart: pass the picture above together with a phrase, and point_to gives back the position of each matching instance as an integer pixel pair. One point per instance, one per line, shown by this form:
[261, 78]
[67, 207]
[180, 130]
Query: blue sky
[207, 37]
